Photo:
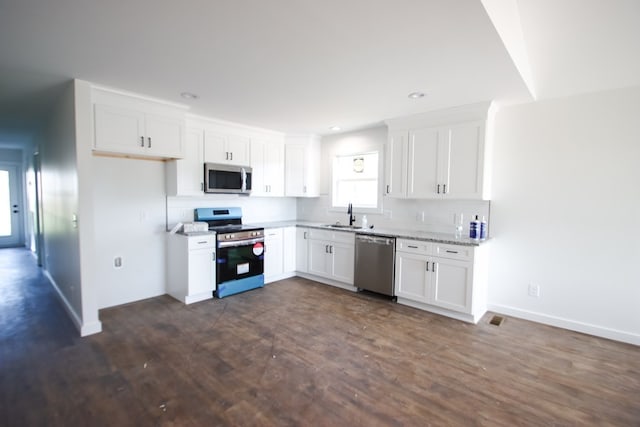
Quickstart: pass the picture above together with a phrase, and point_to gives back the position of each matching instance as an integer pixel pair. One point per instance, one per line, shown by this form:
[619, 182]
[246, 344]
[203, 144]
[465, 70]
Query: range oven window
[238, 262]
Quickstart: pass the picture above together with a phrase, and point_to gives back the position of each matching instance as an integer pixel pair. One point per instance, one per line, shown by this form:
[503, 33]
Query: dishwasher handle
[375, 239]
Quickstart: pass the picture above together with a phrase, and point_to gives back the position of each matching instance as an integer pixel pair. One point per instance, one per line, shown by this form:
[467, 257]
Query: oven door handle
[237, 243]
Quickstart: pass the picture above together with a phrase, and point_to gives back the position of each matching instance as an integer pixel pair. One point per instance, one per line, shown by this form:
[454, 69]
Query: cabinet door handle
[387, 188]
[330, 249]
[304, 235]
[452, 252]
[427, 265]
[226, 155]
[213, 256]
[433, 266]
[149, 139]
[202, 186]
[438, 189]
[326, 249]
[142, 141]
[231, 153]
[412, 247]
[444, 189]
[304, 188]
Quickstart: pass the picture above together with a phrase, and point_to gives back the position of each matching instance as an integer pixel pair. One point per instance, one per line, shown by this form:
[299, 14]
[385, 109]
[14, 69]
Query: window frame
[380, 184]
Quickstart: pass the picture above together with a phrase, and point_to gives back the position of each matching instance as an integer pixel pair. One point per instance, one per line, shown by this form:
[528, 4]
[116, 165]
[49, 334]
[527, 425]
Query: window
[355, 180]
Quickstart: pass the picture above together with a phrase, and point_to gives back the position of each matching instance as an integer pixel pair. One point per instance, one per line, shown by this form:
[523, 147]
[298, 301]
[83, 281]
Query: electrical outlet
[117, 262]
[534, 290]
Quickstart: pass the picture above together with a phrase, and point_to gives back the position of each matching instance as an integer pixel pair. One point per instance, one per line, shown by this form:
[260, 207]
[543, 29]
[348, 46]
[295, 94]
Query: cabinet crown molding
[463, 113]
[224, 126]
[107, 94]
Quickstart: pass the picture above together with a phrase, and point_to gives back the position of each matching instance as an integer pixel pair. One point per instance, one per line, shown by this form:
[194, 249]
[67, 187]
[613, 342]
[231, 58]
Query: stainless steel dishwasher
[374, 269]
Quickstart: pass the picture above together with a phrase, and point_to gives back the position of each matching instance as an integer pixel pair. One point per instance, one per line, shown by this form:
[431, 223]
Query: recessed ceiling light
[416, 95]
[335, 128]
[189, 95]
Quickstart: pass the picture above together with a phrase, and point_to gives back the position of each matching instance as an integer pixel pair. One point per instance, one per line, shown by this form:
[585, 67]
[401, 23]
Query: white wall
[86, 222]
[60, 202]
[129, 222]
[397, 213]
[565, 200]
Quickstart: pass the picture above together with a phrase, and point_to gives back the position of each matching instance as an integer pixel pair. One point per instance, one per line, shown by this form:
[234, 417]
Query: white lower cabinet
[280, 252]
[289, 250]
[331, 255]
[273, 260]
[446, 279]
[191, 272]
[302, 249]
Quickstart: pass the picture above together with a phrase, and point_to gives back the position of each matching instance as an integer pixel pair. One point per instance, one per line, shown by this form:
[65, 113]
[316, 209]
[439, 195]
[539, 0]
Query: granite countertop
[385, 232]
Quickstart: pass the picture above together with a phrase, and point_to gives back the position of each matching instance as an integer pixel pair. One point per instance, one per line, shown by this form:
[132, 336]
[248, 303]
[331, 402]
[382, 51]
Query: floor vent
[496, 320]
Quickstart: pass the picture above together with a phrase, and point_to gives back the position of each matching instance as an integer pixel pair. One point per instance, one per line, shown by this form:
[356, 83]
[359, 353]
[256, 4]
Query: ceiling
[302, 66]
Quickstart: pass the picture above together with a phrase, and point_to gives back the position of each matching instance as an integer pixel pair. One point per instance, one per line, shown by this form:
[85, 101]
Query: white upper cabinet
[267, 162]
[232, 149]
[130, 125]
[185, 177]
[424, 162]
[438, 155]
[466, 161]
[302, 175]
[396, 164]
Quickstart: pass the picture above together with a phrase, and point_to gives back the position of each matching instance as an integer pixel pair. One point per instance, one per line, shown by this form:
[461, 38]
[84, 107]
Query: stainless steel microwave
[219, 178]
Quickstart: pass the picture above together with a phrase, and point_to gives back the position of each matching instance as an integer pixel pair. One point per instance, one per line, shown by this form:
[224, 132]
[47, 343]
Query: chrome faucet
[352, 217]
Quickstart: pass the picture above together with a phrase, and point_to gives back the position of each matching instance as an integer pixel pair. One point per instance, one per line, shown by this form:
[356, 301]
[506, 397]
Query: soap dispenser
[483, 228]
[474, 228]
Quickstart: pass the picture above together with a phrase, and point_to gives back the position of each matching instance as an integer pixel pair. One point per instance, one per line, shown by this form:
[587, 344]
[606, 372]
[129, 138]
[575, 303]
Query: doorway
[11, 233]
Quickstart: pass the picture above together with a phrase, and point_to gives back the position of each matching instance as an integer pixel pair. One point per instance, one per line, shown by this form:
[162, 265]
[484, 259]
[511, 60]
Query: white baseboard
[469, 318]
[91, 328]
[282, 276]
[586, 328]
[326, 281]
[84, 329]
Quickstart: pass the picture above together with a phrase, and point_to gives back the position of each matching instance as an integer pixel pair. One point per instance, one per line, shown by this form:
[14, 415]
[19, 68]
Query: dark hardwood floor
[297, 353]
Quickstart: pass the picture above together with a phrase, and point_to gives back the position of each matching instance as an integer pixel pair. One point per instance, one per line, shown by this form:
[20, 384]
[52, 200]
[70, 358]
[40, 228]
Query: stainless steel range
[240, 250]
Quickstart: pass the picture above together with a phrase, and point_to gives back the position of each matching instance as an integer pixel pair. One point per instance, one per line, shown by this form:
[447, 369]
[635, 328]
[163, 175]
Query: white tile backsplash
[254, 209]
[401, 213]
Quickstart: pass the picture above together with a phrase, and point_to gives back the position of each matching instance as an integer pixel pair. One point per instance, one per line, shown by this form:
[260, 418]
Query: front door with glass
[10, 216]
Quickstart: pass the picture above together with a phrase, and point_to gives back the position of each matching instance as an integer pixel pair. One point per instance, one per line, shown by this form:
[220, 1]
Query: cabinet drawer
[348, 237]
[319, 234]
[200, 242]
[273, 233]
[460, 252]
[413, 246]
